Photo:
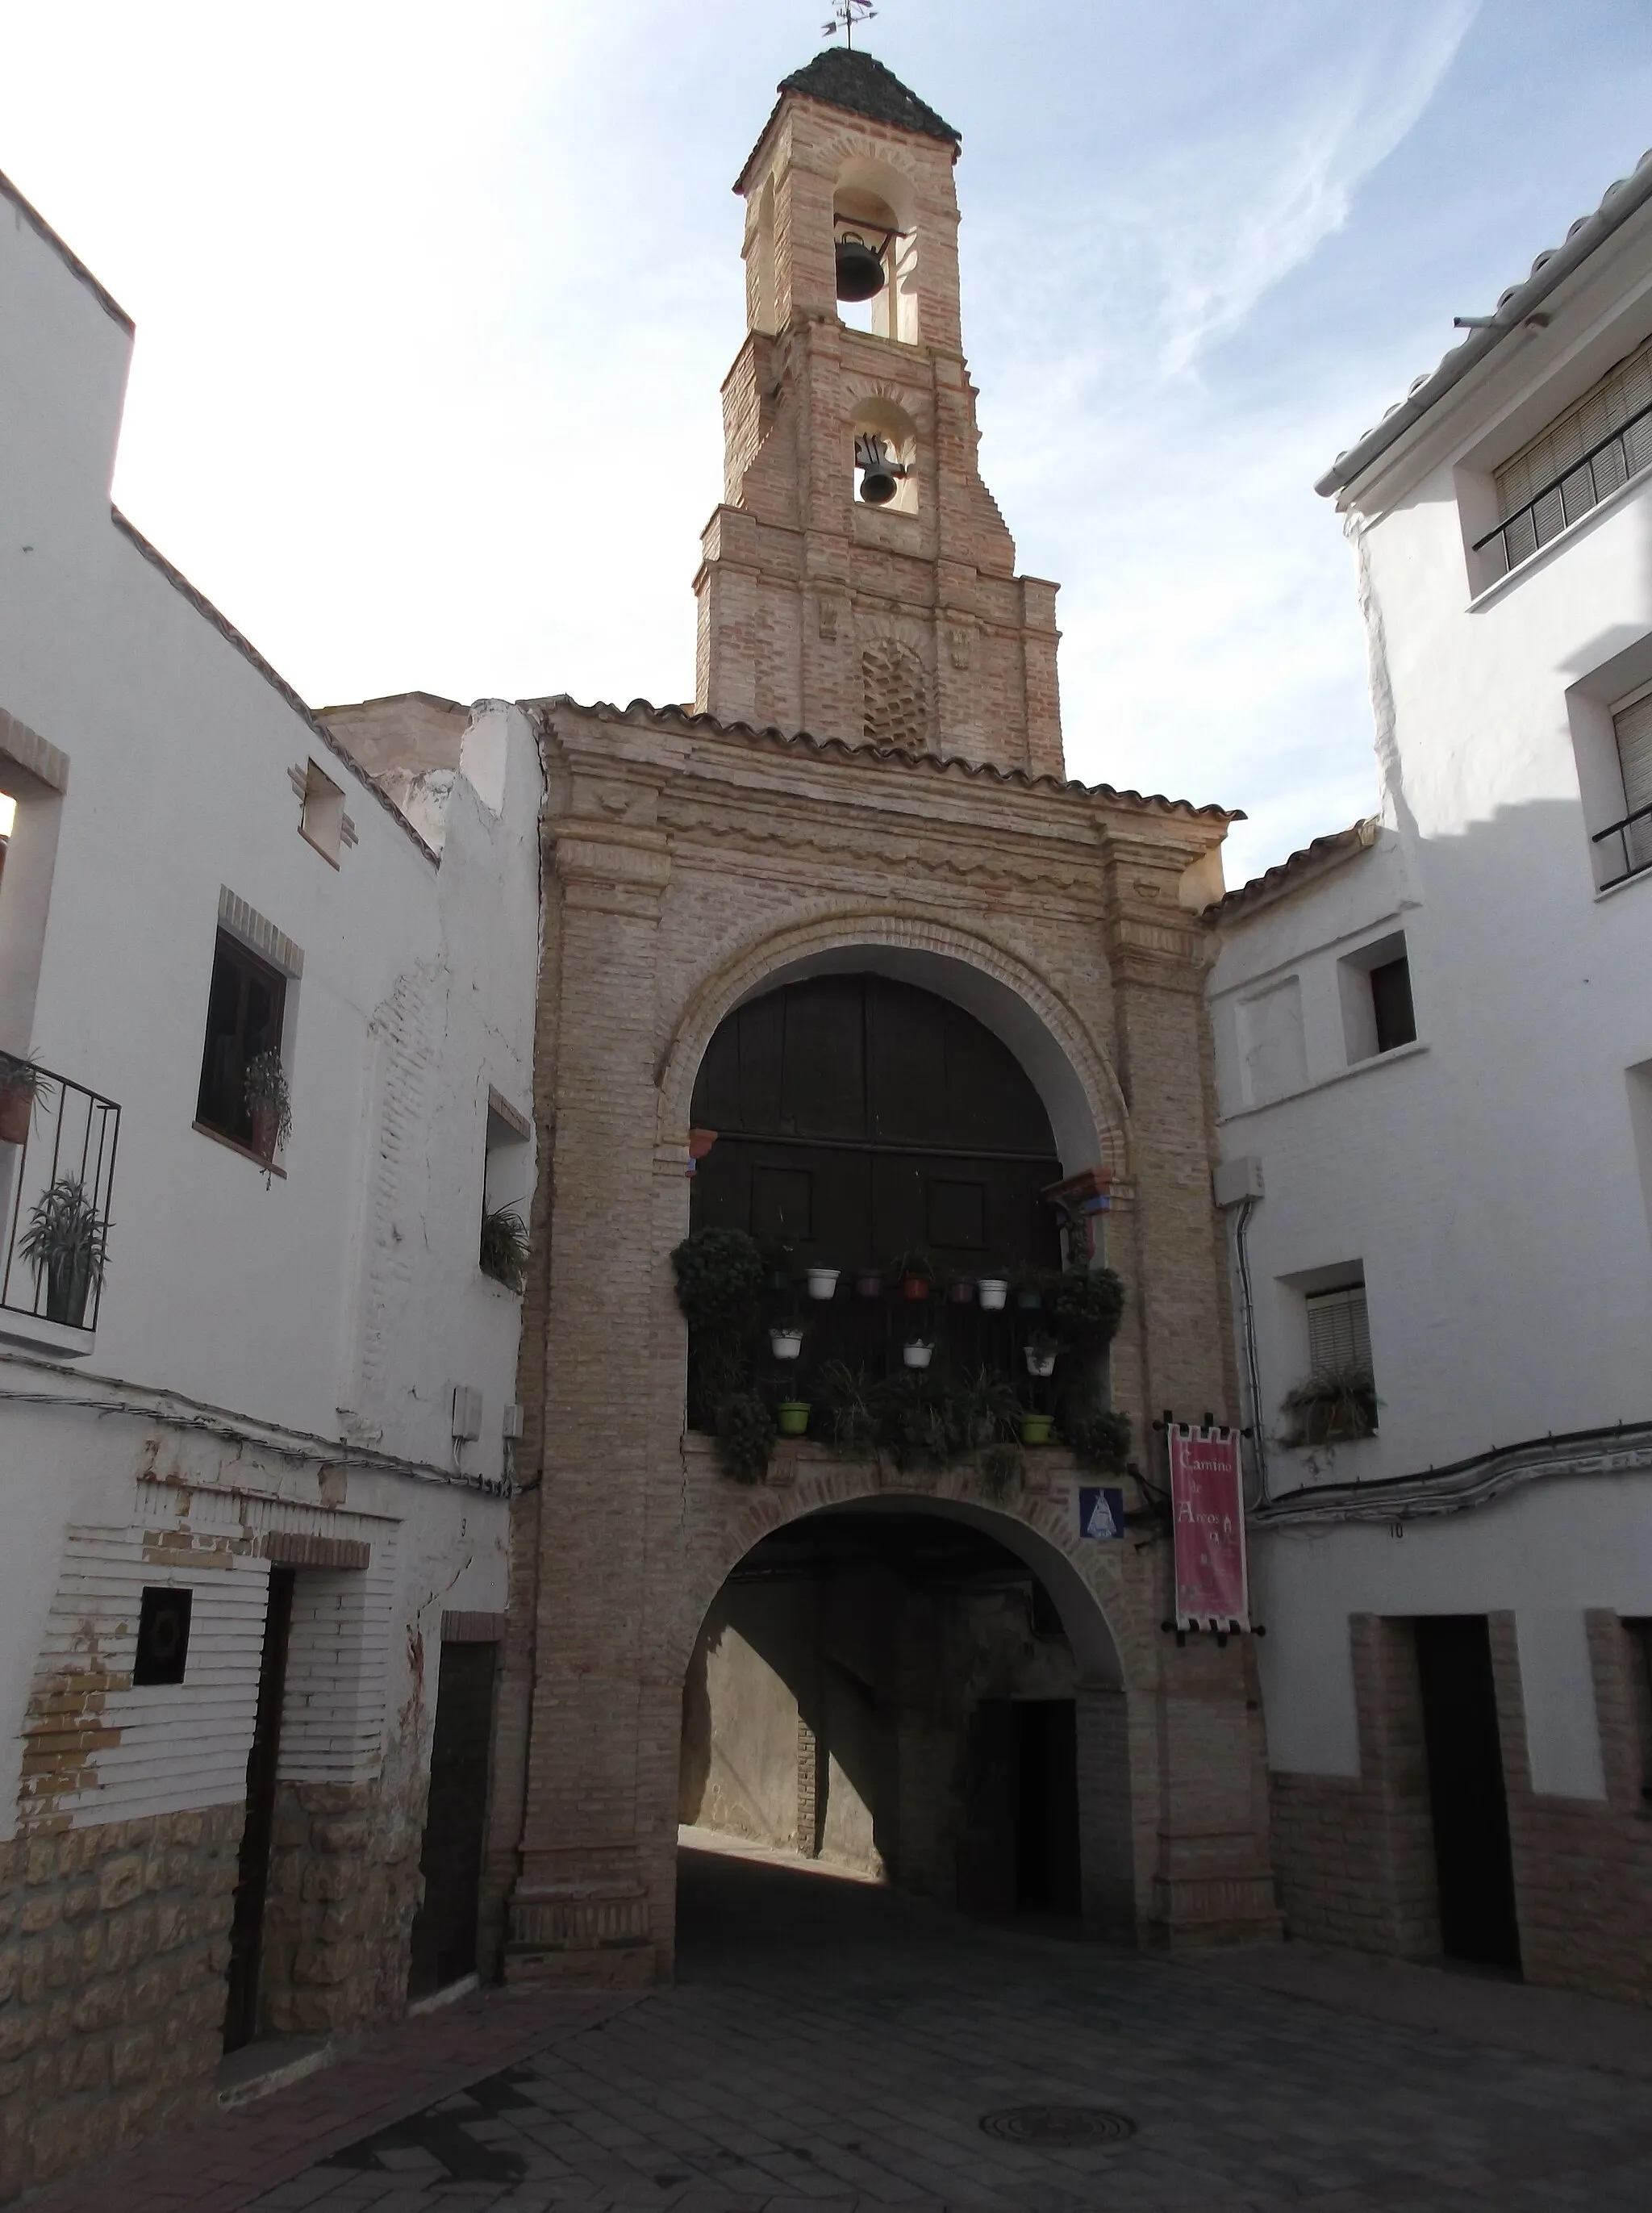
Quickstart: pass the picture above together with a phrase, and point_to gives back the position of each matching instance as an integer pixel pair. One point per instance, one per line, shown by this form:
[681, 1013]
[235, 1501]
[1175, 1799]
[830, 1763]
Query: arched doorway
[921, 1692]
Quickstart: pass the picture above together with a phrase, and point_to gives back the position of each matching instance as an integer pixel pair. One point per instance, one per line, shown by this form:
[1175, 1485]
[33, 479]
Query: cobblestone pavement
[833, 2046]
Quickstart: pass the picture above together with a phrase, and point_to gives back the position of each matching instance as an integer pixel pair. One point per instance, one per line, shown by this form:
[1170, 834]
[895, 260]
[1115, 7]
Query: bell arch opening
[872, 206]
[921, 1693]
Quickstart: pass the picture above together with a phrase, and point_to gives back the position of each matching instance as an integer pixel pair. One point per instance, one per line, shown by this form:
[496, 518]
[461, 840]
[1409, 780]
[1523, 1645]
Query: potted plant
[745, 1436]
[917, 1352]
[1029, 1289]
[1001, 1469]
[1040, 1351]
[961, 1290]
[21, 1083]
[1084, 1304]
[868, 1283]
[1337, 1407]
[823, 1281]
[780, 1260]
[504, 1247]
[916, 1274]
[992, 1291]
[269, 1102]
[1099, 1438]
[67, 1242]
[786, 1340]
[793, 1417]
[1035, 1429]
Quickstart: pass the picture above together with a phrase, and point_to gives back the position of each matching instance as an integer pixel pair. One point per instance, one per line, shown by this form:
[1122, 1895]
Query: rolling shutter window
[1633, 728]
[1339, 1331]
[1621, 394]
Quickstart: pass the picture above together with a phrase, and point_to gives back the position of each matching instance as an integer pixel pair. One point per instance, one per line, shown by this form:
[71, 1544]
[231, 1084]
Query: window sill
[1418, 1046]
[1506, 583]
[55, 1338]
[234, 1145]
[1622, 883]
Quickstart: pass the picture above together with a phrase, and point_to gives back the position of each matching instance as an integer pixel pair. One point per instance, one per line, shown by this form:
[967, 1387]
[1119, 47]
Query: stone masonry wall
[113, 1945]
[344, 1885]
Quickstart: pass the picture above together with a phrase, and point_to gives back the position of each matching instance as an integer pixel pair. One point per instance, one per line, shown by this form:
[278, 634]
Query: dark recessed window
[162, 1636]
[1391, 1002]
[243, 1019]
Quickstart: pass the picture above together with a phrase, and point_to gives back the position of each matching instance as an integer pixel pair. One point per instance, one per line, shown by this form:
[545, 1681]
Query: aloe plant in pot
[67, 1242]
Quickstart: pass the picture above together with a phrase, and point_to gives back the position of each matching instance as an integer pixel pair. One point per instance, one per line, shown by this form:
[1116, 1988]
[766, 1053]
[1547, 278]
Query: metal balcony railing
[1634, 847]
[1600, 471]
[56, 1184]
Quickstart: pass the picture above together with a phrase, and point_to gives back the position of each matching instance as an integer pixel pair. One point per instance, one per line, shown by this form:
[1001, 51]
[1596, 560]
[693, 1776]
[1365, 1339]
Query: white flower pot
[822, 1282]
[917, 1356]
[992, 1291]
[1039, 1363]
[785, 1343]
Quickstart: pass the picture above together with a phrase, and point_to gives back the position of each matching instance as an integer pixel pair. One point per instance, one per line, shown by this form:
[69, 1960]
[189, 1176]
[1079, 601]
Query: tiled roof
[1550, 270]
[839, 77]
[644, 711]
[1302, 866]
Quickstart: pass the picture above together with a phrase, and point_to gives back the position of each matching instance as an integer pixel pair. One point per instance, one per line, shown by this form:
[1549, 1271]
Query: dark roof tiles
[840, 78]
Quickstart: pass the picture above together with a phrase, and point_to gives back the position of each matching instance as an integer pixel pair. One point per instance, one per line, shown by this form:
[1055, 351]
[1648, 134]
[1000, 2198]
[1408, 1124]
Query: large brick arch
[1036, 1529]
[1071, 1069]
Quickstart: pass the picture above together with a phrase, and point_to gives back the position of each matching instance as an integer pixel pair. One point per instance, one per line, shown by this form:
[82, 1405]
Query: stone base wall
[113, 1946]
[344, 1885]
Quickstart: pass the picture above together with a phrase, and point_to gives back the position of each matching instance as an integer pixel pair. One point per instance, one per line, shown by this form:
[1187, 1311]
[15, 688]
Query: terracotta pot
[264, 1130]
[1035, 1429]
[792, 1414]
[868, 1285]
[917, 1356]
[914, 1287]
[16, 1104]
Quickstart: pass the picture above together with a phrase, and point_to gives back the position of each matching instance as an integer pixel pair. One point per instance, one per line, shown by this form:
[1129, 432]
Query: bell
[877, 487]
[860, 269]
[879, 476]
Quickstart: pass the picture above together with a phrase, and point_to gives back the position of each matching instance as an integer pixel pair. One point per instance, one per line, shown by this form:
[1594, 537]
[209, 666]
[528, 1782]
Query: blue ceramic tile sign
[1100, 1511]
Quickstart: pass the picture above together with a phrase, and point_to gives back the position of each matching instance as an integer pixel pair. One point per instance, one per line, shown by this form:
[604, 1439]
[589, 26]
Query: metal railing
[1634, 835]
[1602, 471]
[55, 1186]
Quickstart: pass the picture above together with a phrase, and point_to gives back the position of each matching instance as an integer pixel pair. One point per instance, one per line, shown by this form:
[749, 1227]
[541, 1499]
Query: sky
[433, 304]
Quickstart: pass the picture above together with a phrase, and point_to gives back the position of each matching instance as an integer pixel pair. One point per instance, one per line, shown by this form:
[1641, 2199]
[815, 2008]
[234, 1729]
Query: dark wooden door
[444, 1929]
[985, 1854]
[1046, 1805]
[1472, 1853]
[857, 1116]
[252, 1875]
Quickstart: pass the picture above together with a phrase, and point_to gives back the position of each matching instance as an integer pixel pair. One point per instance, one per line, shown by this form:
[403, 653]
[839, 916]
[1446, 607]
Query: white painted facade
[1492, 1181]
[271, 1354]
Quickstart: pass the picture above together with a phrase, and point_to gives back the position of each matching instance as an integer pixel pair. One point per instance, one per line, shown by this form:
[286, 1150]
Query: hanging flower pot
[962, 1293]
[916, 1354]
[1035, 1429]
[785, 1343]
[868, 1285]
[1029, 1298]
[1040, 1358]
[993, 1291]
[793, 1417]
[822, 1282]
[914, 1287]
[19, 1081]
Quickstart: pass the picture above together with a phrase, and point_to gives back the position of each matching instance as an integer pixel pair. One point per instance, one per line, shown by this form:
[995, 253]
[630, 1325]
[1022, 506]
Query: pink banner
[1208, 1508]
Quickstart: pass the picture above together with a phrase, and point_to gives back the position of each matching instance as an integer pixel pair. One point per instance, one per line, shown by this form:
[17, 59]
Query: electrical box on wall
[1235, 1181]
[467, 1413]
[511, 1427]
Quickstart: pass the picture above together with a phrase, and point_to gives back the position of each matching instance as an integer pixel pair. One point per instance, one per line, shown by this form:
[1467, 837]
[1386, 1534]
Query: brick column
[582, 1910]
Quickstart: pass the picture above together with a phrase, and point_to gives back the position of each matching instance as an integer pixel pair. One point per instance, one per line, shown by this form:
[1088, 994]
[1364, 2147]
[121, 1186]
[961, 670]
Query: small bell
[860, 269]
[879, 476]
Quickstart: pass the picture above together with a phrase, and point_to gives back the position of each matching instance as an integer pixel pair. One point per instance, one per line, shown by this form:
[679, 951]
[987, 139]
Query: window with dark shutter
[244, 1011]
[1391, 1004]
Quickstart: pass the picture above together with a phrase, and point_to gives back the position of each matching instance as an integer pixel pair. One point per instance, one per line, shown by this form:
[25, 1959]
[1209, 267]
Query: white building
[1434, 1039]
[282, 1425]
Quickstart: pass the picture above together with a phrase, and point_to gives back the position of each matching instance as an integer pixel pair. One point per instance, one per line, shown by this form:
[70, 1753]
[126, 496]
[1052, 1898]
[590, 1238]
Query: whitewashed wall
[1486, 1176]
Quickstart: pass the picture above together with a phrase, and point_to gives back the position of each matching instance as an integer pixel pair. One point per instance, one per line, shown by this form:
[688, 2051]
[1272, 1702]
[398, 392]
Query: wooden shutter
[1633, 728]
[1622, 391]
[1339, 1331]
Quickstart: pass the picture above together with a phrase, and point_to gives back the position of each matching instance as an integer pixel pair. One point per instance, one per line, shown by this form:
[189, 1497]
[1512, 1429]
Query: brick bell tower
[858, 581]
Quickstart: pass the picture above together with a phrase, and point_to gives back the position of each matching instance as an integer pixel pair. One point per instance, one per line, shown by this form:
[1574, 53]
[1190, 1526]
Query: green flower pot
[793, 1417]
[1035, 1429]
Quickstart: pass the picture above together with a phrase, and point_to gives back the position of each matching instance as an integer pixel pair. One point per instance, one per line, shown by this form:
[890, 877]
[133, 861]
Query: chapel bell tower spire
[858, 581]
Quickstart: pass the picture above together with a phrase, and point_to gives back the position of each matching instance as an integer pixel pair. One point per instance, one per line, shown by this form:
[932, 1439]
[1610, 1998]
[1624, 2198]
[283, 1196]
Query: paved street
[829, 2045]
[832, 2044]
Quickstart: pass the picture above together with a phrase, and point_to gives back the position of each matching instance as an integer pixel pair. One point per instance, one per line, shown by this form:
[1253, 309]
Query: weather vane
[846, 14]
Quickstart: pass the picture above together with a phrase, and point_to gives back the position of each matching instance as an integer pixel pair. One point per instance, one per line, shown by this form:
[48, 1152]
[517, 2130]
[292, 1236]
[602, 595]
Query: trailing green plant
[1002, 1467]
[916, 1261]
[67, 1241]
[1098, 1437]
[719, 1280]
[269, 1101]
[851, 1401]
[1083, 1305]
[505, 1247]
[18, 1073]
[746, 1435]
[1337, 1406]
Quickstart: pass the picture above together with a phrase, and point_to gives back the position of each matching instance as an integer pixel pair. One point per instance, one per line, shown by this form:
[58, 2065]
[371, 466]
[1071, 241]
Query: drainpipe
[1252, 1372]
